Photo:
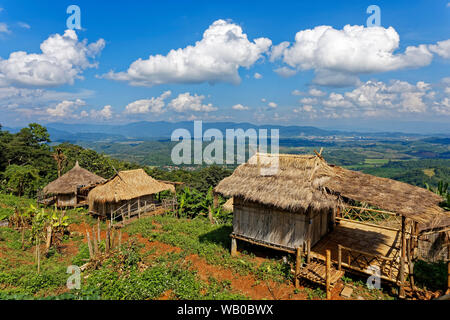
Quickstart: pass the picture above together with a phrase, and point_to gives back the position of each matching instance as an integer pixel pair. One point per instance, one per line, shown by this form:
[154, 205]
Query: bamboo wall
[66, 200]
[278, 227]
[433, 247]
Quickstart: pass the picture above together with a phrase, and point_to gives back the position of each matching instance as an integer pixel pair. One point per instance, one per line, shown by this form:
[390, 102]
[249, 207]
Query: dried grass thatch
[71, 180]
[307, 181]
[296, 185]
[127, 185]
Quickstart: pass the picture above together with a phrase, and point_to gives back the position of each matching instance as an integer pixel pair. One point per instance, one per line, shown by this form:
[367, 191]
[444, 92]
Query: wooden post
[113, 238]
[108, 238]
[120, 238]
[98, 230]
[448, 262]
[402, 259]
[91, 253]
[233, 247]
[308, 251]
[298, 261]
[328, 274]
[129, 210]
[94, 238]
[49, 238]
[410, 259]
[139, 207]
[339, 257]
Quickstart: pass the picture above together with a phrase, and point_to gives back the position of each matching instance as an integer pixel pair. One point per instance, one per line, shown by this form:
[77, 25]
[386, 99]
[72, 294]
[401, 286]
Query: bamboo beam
[328, 274]
[339, 257]
[402, 259]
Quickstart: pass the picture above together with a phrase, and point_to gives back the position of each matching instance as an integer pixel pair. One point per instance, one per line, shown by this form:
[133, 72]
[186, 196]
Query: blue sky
[230, 65]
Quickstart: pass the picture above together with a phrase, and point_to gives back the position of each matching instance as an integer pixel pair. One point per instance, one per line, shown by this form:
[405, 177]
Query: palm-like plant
[442, 190]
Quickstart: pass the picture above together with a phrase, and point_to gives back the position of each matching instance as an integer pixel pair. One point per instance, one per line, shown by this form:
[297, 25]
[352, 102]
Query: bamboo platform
[315, 271]
[361, 247]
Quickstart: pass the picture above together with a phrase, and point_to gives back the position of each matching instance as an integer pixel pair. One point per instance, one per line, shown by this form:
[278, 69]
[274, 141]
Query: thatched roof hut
[69, 182]
[127, 185]
[307, 181]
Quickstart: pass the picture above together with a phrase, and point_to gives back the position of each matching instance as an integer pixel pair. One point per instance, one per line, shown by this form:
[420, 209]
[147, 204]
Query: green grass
[211, 242]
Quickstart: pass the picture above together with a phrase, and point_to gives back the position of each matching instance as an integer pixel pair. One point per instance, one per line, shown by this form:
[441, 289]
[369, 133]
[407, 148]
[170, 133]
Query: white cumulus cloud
[239, 107]
[65, 109]
[153, 105]
[186, 102]
[217, 57]
[62, 60]
[340, 55]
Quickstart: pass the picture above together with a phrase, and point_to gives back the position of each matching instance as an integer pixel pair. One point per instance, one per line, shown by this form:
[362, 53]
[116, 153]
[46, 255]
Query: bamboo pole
[91, 254]
[402, 259]
[328, 274]
[410, 259]
[339, 257]
[98, 230]
[120, 238]
[233, 247]
[298, 261]
[94, 240]
[308, 251]
[108, 238]
[448, 262]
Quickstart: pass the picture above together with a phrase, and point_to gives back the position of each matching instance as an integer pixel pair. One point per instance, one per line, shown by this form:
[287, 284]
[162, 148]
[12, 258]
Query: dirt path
[247, 285]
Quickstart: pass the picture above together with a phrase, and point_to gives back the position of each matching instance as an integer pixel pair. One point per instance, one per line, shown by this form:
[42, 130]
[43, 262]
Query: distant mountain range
[144, 130]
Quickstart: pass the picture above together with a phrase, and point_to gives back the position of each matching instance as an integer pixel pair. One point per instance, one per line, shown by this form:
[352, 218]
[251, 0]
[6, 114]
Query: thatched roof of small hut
[71, 180]
[228, 205]
[127, 185]
[303, 181]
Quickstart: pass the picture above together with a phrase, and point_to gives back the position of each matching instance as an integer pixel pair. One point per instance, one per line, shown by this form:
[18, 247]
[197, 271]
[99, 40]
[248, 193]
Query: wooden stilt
[233, 247]
[339, 257]
[410, 258]
[308, 251]
[328, 274]
[402, 260]
[298, 261]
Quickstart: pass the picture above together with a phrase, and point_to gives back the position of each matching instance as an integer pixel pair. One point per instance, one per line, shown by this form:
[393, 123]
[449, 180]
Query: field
[161, 257]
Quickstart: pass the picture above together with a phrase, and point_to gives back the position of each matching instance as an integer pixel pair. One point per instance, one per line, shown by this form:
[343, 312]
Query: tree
[21, 180]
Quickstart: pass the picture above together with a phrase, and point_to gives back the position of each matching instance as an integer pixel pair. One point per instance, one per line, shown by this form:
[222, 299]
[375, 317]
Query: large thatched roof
[71, 180]
[127, 185]
[304, 181]
[298, 184]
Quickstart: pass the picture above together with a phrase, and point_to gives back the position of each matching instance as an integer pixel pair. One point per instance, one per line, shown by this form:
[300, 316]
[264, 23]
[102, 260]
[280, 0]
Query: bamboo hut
[124, 190]
[302, 205]
[71, 189]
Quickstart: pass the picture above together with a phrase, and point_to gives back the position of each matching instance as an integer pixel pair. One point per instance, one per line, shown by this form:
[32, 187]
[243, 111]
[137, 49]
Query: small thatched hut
[126, 187]
[71, 189]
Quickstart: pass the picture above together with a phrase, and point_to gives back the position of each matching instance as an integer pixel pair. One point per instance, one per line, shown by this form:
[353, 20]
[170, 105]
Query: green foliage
[442, 190]
[21, 180]
[431, 275]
